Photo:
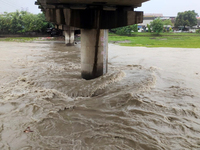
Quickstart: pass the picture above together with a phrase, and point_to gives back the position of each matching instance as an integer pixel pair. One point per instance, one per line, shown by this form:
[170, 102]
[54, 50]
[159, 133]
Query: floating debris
[28, 130]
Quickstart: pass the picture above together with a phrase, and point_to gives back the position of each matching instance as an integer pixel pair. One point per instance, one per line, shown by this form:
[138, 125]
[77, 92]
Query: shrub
[157, 25]
[127, 30]
[198, 31]
[149, 28]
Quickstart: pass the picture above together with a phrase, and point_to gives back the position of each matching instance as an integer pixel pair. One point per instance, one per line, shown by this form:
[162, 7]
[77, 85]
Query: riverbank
[31, 39]
[174, 40]
[177, 40]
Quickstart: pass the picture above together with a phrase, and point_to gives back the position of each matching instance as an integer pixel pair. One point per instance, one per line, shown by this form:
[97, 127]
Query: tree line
[22, 21]
[157, 23]
[183, 19]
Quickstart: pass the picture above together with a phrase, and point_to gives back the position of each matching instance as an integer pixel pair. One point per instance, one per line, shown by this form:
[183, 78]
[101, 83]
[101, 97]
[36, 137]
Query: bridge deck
[134, 3]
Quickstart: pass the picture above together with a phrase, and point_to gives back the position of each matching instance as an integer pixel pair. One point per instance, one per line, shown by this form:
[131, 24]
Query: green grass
[161, 34]
[18, 39]
[177, 40]
[180, 40]
[27, 39]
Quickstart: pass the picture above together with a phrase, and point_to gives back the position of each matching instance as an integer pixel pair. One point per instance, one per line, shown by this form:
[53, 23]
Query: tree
[135, 27]
[157, 25]
[5, 22]
[187, 18]
[127, 30]
[149, 28]
[22, 21]
[16, 25]
[167, 22]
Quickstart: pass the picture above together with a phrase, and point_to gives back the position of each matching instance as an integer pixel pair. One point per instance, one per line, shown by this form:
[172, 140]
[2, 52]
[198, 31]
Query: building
[148, 18]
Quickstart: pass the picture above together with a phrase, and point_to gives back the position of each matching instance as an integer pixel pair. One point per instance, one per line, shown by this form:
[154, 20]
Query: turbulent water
[149, 100]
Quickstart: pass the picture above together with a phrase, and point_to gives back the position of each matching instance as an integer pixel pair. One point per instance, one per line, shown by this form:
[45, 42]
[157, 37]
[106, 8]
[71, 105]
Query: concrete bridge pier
[69, 37]
[94, 53]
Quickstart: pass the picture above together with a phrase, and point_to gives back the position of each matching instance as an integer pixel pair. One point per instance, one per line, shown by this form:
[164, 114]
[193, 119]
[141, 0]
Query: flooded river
[149, 100]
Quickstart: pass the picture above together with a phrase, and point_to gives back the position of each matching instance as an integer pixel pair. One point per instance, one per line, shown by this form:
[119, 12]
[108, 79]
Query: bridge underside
[93, 17]
[85, 3]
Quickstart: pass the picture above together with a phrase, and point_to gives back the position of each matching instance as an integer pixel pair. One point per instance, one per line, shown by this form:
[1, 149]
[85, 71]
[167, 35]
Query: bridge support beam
[94, 53]
[69, 37]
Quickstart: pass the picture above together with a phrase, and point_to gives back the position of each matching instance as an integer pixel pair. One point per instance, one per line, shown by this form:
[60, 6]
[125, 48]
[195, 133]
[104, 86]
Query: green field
[178, 40]
[18, 39]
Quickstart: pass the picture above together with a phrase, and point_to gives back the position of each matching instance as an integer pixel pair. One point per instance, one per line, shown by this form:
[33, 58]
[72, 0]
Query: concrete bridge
[94, 18]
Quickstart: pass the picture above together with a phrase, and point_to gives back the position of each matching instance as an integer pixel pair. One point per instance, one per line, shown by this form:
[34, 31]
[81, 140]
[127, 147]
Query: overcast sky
[165, 7]
[170, 7]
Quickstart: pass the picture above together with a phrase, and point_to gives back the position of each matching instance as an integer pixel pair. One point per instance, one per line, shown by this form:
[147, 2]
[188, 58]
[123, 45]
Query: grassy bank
[177, 40]
[28, 39]
[19, 39]
[161, 34]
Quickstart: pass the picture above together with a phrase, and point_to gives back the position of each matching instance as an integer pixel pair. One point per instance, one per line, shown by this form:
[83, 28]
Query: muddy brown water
[149, 100]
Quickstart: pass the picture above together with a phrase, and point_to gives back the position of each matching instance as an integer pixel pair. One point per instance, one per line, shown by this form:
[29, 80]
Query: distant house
[141, 28]
[186, 29]
[148, 18]
[198, 21]
[193, 29]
